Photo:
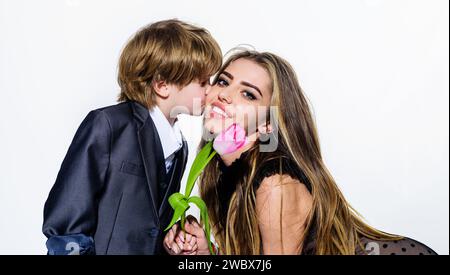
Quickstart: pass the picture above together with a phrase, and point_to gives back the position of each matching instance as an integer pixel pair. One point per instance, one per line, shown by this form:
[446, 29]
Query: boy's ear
[161, 88]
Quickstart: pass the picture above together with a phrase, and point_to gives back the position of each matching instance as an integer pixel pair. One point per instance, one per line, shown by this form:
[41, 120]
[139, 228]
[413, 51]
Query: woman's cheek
[210, 95]
[247, 118]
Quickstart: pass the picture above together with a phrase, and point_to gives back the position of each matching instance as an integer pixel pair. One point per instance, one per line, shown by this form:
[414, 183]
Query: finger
[192, 251]
[174, 229]
[167, 244]
[183, 243]
[179, 242]
[187, 247]
[191, 219]
[170, 237]
[167, 247]
[194, 230]
[188, 238]
[175, 248]
[193, 241]
[195, 223]
[180, 235]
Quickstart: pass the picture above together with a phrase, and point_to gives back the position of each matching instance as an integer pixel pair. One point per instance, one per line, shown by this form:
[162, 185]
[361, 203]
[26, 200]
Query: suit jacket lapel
[148, 142]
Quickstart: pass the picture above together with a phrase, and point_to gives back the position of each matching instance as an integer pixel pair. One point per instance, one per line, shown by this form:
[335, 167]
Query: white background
[376, 72]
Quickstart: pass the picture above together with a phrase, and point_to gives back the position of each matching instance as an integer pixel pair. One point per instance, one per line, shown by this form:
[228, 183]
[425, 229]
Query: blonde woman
[281, 201]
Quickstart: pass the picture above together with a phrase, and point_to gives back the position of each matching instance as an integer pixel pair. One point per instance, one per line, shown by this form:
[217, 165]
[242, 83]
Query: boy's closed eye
[205, 82]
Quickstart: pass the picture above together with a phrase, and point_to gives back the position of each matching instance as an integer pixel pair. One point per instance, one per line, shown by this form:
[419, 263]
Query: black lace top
[405, 246]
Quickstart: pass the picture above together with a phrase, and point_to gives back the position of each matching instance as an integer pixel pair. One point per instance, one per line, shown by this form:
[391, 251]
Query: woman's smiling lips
[218, 111]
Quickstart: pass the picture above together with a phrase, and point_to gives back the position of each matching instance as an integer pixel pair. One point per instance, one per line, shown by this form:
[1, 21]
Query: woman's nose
[224, 96]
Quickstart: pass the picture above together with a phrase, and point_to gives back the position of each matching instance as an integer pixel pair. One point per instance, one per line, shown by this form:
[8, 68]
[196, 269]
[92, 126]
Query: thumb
[194, 230]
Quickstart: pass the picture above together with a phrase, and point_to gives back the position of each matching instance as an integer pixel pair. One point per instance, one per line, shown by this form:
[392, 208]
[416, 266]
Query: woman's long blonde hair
[232, 205]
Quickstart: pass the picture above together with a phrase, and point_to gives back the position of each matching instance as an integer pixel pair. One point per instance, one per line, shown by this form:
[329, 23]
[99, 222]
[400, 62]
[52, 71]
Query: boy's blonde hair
[169, 50]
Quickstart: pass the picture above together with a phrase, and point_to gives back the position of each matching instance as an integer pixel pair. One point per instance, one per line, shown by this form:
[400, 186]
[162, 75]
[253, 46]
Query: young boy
[110, 195]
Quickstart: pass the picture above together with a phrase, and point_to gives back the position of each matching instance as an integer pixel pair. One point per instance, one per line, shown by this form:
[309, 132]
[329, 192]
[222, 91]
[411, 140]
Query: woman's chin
[215, 126]
[211, 127]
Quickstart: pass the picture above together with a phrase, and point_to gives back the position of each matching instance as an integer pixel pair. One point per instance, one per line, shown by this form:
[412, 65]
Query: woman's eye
[248, 95]
[222, 82]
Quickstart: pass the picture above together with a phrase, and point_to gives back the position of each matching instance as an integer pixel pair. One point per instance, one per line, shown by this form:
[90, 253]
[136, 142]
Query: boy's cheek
[201, 98]
[196, 106]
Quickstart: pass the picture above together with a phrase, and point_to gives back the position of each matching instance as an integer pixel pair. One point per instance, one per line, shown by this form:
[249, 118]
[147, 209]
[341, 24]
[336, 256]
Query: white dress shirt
[169, 135]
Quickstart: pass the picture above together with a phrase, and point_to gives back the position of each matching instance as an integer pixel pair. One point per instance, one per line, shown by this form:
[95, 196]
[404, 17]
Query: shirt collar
[170, 136]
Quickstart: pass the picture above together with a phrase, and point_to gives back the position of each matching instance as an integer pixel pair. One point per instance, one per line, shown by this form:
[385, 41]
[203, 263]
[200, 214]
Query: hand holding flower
[229, 141]
[177, 242]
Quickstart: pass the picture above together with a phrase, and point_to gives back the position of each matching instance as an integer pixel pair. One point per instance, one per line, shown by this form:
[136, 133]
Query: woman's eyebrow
[245, 83]
[230, 76]
[251, 86]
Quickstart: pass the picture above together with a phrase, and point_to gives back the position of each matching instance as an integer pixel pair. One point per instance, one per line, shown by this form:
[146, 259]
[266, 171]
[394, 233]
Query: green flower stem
[180, 203]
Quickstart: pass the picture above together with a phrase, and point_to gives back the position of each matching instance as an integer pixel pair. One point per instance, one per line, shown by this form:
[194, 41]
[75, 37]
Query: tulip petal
[230, 140]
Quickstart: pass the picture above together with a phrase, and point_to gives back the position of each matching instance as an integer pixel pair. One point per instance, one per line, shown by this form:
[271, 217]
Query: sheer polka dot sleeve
[405, 246]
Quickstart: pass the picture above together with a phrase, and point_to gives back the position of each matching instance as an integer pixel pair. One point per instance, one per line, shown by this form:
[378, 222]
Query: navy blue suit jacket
[111, 193]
